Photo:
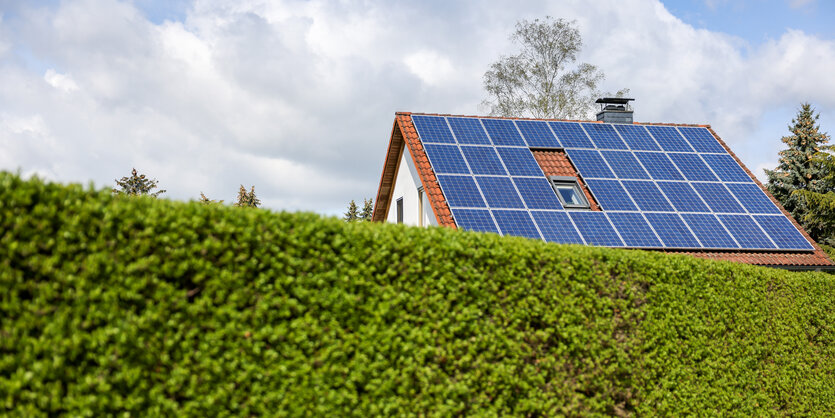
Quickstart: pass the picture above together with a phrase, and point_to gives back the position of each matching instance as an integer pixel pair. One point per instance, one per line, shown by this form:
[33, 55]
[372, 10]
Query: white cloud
[298, 97]
[62, 82]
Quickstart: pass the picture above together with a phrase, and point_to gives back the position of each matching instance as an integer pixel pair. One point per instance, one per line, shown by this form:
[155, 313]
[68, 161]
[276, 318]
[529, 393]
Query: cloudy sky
[298, 97]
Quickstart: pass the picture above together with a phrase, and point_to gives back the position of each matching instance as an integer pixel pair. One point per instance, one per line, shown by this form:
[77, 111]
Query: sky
[298, 97]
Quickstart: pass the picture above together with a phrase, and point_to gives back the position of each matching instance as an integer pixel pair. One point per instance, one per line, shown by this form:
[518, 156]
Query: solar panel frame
[693, 168]
[726, 168]
[556, 226]
[604, 136]
[753, 198]
[433, 129]
[479, 220]
[610, 195]
[701, 139]
[783, 232]
[709, 231]
[669, 138]
[519, 161]
[672, 230]
[625, 165]
[747, 232]
[596, 229]
[461, 191]
[589, 163]
[516, 222]
[483, 160]
[647, 196]
[500, 192]
[718, 198]
[468, 131]
[636, 137]
[571, 134]
[659, 166]
[537, 193]
[537, 134]
[503, 132]
[634, 229]
[446, 159]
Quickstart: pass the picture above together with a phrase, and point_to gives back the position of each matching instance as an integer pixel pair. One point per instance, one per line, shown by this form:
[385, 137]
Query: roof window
[569, 192]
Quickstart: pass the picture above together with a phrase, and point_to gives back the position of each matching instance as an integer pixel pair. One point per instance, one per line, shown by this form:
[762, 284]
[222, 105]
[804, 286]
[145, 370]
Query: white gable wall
[406, 186]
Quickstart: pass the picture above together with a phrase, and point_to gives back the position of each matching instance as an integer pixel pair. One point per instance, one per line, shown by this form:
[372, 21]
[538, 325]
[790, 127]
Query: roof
[656, 186]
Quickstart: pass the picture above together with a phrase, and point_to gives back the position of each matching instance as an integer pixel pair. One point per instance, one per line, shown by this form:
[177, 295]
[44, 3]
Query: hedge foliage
[116, 304]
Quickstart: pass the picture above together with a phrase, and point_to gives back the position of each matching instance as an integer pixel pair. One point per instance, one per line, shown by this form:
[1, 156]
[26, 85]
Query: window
[420, 206]
[569, 192]
[400, 210]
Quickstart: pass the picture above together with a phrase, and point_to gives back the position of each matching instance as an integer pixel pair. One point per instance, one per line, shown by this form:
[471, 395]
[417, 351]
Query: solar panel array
[658, 186]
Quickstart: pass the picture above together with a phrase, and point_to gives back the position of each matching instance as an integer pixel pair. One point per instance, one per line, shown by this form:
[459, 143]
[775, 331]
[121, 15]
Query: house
[610, 182]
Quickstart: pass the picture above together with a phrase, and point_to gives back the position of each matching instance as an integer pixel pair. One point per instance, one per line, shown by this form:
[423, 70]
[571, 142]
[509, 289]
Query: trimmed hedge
[113, 304]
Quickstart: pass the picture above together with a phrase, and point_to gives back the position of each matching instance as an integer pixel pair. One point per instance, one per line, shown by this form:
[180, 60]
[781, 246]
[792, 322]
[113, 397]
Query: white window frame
[562, 181]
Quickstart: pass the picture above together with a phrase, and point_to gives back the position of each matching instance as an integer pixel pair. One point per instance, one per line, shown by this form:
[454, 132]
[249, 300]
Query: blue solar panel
[589, 163]
[499, 192]
[672, 230]
[596, 228]
[519, 161]
[474, 220]
[468, 131]
[752, 197]
[726, 167]
[784, 234]
[604, 136]
[634, 230]
[537, 134]
[746, 231]
[537, 193]
[692, 167]
[460, 191]
[446, 159]
[571, 135]
[637, 137]
[625, 165]
[669, 138]
[682, 196]
[556, 227]
[503, 132]
[659, 166]
[610, 195]
[709, 231]
[718, 198]
[701, 139]
[647, 196]
[516, 222]
[433, 129]
[483, 160]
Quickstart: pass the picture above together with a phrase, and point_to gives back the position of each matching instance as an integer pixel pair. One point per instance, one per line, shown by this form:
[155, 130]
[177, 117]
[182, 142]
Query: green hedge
[147, 306]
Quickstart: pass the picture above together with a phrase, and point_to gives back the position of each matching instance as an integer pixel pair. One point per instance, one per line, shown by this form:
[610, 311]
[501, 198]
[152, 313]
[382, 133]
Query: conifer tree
[820, 206]
[206, 201]
[137, 185]
[367, 209]
[247, 199]
[799, 170]
[353, 212]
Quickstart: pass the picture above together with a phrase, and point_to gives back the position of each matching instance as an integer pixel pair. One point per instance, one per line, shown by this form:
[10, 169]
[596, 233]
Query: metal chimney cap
[614, 100]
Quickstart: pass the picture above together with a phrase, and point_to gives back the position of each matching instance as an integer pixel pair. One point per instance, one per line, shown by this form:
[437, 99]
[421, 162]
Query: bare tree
[538, 80]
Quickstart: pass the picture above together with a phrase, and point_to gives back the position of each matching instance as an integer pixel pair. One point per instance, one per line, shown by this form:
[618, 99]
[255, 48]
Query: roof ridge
[695, 125]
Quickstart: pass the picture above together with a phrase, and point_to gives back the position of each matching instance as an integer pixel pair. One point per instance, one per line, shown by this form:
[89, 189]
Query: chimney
[614, 110]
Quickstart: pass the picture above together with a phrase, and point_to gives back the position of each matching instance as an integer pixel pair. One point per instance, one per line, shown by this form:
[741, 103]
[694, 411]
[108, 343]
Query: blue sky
[297, 97]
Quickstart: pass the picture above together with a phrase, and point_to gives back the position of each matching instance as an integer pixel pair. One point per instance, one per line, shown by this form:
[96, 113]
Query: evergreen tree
[353, 212]
[137, 185]
[799, 170]
[367, 209]
[820, 206]
[247, 199]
